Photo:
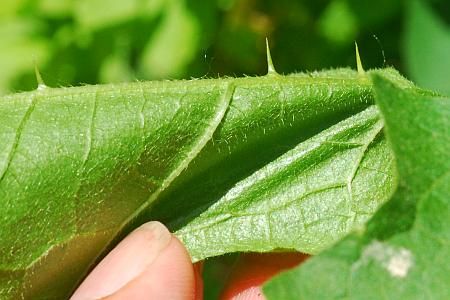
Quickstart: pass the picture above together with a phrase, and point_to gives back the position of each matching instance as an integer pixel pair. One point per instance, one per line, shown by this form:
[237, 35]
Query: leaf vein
[18, 136]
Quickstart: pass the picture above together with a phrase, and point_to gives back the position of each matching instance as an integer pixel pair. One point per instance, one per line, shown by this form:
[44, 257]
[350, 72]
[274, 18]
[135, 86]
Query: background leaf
[78, 42]
[427, 45]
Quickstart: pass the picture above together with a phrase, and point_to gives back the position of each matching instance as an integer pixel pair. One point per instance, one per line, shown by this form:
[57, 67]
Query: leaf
[337, 23]
[174, 43]
[98, 14]
[80, 167]
[75, 177]
[403, 252]
[427, 47]
[304, 200]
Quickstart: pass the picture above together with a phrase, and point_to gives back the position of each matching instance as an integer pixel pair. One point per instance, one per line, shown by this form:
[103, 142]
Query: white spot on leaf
[397, 261]
[400, 263]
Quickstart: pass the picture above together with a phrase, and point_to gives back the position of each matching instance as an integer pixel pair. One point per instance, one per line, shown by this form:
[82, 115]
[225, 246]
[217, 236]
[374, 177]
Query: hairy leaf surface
[80, 167]
[305, 199]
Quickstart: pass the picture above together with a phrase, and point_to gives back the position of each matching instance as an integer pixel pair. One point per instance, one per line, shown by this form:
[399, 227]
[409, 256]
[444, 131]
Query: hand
[151, 263]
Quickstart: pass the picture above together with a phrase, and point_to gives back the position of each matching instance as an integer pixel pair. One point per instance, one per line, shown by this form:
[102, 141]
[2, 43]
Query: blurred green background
[76, 42]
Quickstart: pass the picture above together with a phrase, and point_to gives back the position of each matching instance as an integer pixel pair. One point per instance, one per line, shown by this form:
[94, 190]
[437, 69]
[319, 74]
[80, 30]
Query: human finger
[150, 263]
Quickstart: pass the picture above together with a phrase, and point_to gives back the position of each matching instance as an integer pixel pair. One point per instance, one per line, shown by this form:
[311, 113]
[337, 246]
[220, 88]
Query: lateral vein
[18, 136]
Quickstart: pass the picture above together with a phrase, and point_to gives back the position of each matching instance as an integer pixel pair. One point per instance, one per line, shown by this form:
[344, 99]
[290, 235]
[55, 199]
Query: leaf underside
[305, 199]
[234, 164]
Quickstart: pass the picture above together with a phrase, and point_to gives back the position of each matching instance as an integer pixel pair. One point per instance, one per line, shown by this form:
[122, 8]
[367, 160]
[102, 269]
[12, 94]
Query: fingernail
[125, 262]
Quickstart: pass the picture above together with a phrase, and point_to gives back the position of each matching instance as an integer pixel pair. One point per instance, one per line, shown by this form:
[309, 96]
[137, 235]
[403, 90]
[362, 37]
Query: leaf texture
[81, 163]
[304, 200]
[80, 167]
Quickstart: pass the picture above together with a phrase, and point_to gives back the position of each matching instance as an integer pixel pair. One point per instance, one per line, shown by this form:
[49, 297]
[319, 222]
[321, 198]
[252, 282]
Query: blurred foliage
[427, 48]
[94, 41]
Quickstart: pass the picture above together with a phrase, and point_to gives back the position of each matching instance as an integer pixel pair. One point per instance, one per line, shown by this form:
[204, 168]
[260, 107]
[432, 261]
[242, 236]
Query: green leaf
[403, 252]
[98, 14]
[173, 44]
[427, 48]
[304, 200]
[337, 23]
[77, 164]
[80, 167]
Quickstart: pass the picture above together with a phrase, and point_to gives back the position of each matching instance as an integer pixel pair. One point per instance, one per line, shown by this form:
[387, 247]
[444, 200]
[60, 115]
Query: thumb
[150, 263]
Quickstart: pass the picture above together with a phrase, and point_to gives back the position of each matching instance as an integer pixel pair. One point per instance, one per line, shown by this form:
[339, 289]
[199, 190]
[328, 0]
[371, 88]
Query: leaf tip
[270, 68]
[359, 66]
